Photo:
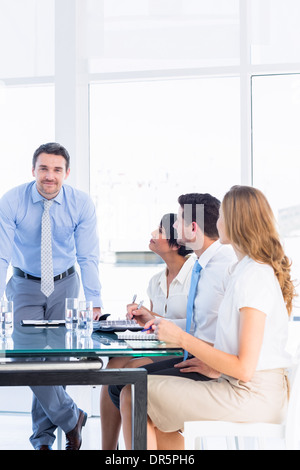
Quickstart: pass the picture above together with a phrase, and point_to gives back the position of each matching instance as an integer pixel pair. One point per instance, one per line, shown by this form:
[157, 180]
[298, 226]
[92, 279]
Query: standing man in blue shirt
[73, 238]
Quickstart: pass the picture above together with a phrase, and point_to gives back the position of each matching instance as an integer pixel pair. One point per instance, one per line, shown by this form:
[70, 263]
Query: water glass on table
[85, 317]
[6, 318]
[71, 313]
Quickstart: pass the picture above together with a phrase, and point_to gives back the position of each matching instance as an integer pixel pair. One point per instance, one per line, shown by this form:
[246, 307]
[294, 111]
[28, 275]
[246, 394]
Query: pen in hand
[147, 329]
[130, 315]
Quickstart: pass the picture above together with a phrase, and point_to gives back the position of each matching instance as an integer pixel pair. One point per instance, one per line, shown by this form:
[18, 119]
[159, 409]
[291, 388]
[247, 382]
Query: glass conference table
[52, 355]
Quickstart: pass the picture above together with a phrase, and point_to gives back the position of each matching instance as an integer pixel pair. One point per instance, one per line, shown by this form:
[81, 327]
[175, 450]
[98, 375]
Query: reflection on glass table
[48, 341]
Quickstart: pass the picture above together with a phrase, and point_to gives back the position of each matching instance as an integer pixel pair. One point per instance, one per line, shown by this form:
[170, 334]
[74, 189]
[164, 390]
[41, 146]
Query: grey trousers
[52, 407]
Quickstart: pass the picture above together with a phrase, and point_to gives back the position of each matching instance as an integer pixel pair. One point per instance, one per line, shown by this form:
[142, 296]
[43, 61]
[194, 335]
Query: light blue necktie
[190, 303]
[47, 283]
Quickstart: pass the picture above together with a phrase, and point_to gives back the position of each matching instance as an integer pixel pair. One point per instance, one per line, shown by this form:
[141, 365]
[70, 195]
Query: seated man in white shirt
[214, 259]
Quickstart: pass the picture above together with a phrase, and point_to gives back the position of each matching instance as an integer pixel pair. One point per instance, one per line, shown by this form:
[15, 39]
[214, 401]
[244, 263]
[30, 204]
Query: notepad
[136, 335]
[116, 325]
[42, 323]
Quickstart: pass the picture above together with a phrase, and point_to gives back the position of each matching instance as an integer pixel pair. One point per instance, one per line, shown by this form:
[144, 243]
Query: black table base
[87, 373]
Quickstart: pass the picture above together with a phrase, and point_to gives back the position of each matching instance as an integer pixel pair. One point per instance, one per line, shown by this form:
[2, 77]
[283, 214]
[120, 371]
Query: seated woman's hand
[195, 365]
[165, 330]
[141, 315]
[130, 309]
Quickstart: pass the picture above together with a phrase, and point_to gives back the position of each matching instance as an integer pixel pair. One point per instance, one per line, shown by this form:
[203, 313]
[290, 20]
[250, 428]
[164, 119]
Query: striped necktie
[47, 282]
[190, 303]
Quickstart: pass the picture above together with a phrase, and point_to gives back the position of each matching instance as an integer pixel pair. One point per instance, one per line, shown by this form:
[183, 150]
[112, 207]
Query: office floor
[16, 430]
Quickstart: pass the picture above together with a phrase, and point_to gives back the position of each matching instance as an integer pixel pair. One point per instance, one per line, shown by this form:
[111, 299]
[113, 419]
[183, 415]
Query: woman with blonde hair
[248, 358]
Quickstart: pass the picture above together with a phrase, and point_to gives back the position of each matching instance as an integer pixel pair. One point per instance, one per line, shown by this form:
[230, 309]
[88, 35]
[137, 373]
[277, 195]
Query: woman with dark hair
[168, 292]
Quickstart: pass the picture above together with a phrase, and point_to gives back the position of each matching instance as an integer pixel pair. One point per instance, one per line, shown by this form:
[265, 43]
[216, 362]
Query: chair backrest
[292, 425]
[195, 432]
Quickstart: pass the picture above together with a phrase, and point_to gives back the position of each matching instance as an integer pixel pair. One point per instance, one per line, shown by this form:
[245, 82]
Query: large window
[276, 150]
[154, 140]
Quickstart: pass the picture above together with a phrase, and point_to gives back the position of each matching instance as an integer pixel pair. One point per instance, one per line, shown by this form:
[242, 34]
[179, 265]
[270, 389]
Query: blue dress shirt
[74, 235]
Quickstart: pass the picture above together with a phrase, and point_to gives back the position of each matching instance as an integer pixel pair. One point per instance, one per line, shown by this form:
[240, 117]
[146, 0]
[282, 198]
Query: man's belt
[20, 273]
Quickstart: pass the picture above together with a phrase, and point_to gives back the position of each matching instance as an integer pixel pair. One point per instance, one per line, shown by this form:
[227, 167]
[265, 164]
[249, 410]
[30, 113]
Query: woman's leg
[109, 413]
[169, 440]
[125, 410]
[156, 439]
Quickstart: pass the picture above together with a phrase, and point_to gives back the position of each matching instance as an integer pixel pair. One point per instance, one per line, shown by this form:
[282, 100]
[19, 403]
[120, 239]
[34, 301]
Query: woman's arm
[242, 366]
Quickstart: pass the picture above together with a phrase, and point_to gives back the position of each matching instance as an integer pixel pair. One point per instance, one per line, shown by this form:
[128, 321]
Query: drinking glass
[71, 313]
[85, 317]
[6, 318]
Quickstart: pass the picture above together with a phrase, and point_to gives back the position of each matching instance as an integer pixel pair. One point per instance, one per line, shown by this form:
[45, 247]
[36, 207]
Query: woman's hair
[251, 227]
[167, 223]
